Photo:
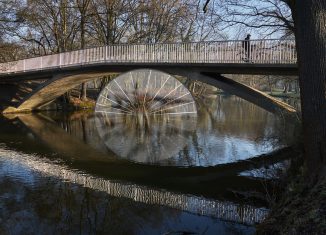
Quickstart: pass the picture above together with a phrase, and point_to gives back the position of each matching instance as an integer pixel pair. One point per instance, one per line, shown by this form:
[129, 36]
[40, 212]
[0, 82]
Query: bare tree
[110, 20]
[309, 20]
[265, 17]
[83, 6]
[197, 26]
[156, 21]
[47, 26]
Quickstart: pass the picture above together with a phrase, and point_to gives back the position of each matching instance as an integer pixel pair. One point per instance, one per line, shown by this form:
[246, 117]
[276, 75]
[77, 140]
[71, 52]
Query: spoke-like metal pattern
[146, 92]
[269, 51]
[145, 116]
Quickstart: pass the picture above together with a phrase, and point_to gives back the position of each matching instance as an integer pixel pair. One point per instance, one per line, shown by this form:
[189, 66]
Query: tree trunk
[289, 86]
[270, 84]
[84, 91]
[310, 22]
[296, 87]
[83, 11]
[285, 88]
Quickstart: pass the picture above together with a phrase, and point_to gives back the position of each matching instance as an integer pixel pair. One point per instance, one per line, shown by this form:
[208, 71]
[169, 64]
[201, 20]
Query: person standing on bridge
[247, 48]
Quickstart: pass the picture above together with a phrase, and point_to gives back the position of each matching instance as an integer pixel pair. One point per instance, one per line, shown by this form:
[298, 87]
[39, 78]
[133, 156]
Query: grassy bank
[73, 104]
[79, 104]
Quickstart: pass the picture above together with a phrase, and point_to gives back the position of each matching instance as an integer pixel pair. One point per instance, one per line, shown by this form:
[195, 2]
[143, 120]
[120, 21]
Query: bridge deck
[226, 56]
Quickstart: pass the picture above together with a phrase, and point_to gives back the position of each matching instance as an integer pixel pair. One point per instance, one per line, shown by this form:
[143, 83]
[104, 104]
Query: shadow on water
[63, 160]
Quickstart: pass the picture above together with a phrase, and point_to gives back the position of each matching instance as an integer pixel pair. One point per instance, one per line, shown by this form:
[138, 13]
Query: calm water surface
[80, 173]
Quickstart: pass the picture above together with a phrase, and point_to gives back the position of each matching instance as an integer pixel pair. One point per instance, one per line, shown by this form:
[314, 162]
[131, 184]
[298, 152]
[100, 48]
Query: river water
[81, 173]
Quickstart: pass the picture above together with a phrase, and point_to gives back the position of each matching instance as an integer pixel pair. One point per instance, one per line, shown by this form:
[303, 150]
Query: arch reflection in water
[156, 139]
[145, 116]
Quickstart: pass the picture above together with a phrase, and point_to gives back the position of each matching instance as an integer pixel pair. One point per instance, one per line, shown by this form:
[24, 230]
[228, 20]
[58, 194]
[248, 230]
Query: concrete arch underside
[53, 88]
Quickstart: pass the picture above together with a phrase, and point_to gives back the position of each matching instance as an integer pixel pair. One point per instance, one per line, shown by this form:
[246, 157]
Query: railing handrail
[144, 44]
[230, 51]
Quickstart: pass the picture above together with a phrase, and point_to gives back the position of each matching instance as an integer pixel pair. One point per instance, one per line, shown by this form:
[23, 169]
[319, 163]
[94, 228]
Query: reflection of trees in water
[80, 124]
[227, 121]
[234, 116]
[227, 125]
[53, 203]
[141, 139]
[65, 208]
[50, 206]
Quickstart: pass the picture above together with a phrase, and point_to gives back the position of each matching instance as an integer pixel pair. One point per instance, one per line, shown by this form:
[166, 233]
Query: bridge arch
[61, 83]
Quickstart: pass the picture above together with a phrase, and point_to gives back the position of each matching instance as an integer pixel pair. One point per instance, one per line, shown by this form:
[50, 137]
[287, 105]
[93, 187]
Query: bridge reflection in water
[245, 214]
[172, 179]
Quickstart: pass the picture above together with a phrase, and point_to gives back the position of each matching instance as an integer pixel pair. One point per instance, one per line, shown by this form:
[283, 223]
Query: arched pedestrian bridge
[204, 61]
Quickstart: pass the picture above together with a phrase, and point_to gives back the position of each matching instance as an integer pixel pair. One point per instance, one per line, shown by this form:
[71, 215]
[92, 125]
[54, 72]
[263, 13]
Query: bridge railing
[269, 51]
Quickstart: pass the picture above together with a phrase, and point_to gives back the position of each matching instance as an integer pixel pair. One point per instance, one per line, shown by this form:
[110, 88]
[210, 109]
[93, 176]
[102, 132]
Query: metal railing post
[106, 53]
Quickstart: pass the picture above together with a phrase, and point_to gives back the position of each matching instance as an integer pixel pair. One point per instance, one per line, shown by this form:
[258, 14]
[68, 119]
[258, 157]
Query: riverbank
[71, 104]
[277, 94]
[78, 104]
[301, 208]
[284, 95]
